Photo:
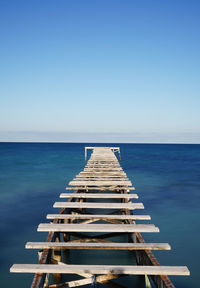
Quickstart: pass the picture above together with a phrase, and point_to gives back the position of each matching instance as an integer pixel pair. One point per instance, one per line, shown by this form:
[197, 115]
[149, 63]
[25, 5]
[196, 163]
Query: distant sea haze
[167, 180]
[111, 137]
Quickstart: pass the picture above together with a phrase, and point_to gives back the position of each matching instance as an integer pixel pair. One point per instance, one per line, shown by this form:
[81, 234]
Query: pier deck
[78, 226]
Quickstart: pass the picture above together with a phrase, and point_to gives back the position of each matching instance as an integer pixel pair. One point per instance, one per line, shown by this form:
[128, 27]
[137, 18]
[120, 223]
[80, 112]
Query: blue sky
[78, 70]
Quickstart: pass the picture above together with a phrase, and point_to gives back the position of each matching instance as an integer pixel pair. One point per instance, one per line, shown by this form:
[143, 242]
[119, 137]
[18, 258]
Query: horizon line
[85, 142]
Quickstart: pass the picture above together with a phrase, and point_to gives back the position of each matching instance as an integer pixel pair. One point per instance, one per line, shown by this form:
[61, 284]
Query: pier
[80, 224]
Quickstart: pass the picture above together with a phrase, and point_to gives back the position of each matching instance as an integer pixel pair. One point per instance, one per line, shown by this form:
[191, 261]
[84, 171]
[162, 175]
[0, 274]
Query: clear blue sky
[109, 67]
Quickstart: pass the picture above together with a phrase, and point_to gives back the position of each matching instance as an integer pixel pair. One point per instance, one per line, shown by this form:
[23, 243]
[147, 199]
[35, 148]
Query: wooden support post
[46, 276]
[56, 255]
[146, 257]
[147, 282]
[66, 238]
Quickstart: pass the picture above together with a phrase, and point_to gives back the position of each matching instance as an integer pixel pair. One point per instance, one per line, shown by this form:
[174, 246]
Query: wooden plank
[100, 183]
[98, 195]
[100, 269]
[110, 167]
[97, 216]
[99, 176]
[107, 158]
[100, 179]
[100, 188]
[106, 161]
[101, 148]
[103, 162]
[103, 159]
[124, 228]
[103, 165]
[129, 206]
[93, 178]
[100, 158]
[116, 246]
[116, 173]
[103, 169]
[104, 176]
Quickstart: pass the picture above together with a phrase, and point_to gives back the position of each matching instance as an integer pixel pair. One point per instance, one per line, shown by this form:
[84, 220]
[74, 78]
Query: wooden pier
[80, 224]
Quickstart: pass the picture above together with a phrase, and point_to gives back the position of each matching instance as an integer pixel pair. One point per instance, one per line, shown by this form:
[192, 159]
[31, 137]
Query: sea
[167, 180]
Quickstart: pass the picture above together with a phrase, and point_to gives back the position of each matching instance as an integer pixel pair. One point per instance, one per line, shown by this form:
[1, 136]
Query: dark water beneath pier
[167, 180]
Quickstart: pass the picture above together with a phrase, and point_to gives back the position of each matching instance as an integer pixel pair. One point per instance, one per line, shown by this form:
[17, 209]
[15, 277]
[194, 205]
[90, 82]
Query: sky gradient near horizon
[104, 67]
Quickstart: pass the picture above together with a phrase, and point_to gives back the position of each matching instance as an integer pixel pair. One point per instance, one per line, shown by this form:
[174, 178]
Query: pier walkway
[82, 223]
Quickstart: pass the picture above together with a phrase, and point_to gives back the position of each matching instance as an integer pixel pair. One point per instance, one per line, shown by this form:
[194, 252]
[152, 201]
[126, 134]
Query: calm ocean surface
[166, 177]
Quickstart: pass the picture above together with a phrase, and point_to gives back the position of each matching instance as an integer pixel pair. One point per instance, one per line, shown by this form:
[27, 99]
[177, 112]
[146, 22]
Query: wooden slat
[97, 216]
[93, 178]
[100, 183]
[124, 228]
[102, 165]
[100, 188]
[102, 162]
[98, 195]
[95, 169]
[120, 173]
[100, 269]
[108, 176]
[129, 206]
[105, 161]
[118, 246]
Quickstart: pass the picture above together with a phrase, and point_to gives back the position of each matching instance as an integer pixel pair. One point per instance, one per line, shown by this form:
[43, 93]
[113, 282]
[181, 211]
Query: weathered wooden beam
[82, 282]
[56, 255]
[129, 206]
[125, 228]
[98, 216]
[108, 246]
[99, 195]
[100, 269]
[114, 188]
[103, 178]
[102, 169]
[99, 174]
[100, 183]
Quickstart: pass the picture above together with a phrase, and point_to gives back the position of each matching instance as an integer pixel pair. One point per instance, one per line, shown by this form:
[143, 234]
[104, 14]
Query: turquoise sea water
[166, 177]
